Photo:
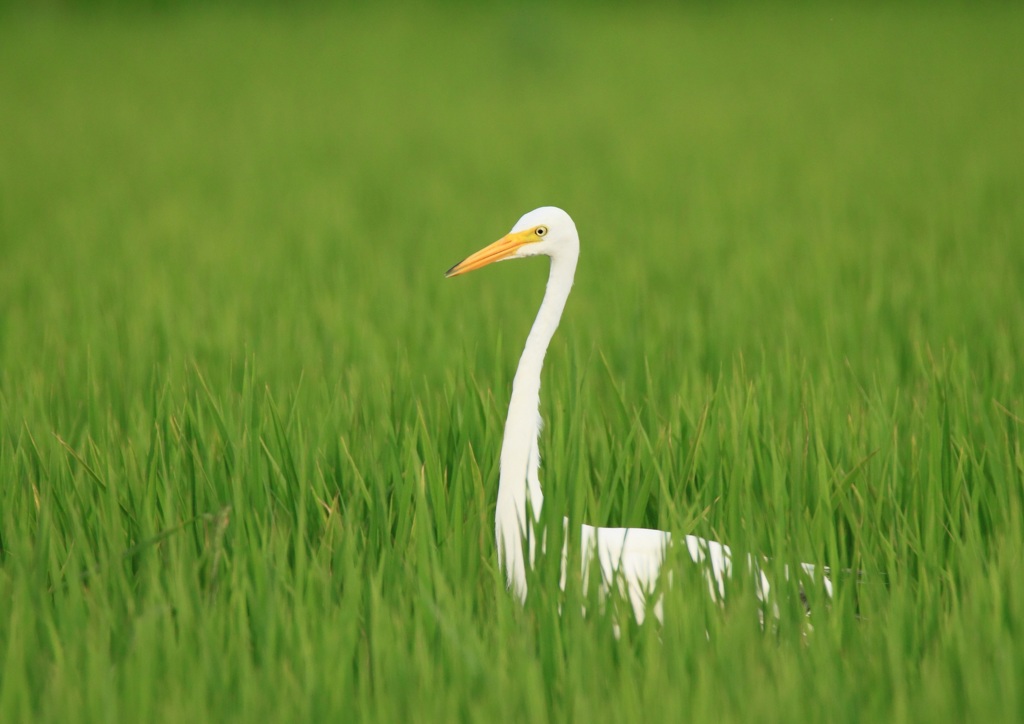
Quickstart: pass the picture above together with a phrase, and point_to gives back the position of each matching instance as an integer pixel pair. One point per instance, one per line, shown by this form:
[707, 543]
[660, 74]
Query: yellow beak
[501, 249]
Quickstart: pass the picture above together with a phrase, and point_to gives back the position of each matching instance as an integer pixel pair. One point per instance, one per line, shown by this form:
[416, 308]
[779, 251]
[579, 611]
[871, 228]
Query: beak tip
[503, 248]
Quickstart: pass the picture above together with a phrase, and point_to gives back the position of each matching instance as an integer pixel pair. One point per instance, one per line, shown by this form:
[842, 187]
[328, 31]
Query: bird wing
[631, 559]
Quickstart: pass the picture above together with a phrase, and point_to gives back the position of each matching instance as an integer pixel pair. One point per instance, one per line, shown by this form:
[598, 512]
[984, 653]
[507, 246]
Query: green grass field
[249, 434]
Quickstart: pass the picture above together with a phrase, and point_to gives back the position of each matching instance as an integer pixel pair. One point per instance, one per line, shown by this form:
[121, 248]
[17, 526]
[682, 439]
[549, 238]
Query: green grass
[249, 433]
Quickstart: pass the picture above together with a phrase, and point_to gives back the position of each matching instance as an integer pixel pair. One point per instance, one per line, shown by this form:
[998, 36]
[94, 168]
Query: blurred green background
[249, 432]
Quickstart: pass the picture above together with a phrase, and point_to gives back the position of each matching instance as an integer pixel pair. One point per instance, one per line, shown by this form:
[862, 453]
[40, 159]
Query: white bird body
[629, 558]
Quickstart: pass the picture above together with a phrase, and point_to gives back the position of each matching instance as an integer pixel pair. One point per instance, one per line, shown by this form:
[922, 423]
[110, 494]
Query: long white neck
[519, 487]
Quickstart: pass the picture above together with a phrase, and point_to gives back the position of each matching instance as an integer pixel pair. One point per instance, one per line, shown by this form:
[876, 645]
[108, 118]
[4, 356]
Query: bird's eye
[540, 230]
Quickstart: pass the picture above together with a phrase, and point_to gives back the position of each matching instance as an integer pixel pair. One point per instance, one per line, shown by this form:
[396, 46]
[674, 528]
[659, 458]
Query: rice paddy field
[249, 433]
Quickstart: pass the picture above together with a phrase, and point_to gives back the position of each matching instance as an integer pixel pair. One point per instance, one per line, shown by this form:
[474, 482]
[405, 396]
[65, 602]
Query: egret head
[547, 230]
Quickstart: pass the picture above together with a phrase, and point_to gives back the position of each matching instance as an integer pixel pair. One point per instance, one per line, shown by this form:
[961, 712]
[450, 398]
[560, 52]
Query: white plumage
[632, 557]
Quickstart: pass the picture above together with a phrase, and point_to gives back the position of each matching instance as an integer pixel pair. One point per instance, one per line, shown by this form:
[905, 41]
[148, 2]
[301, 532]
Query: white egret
[629, 557]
